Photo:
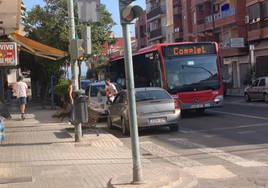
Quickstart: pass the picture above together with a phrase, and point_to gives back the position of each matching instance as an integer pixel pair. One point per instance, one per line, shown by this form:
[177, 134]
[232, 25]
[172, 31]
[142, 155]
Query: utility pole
[213, 20]
[78, 126]
[128, 13]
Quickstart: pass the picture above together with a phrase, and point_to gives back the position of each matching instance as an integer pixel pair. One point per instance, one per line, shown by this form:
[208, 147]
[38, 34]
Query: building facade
[140, 32]
[257, 23]
[160, 27]
[193, 22]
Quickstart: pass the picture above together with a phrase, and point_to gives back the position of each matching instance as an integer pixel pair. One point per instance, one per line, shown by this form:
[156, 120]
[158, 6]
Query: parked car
[258, 90]
[85, 83]
[92, 91]
[155, 107]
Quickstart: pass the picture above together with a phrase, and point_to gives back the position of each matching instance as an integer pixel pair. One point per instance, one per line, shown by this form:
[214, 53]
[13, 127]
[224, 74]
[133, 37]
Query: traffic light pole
[137, 169]
[74, 68]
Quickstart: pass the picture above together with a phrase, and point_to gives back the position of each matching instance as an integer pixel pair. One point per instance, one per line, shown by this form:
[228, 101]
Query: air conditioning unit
[217, 8]
[247, 19]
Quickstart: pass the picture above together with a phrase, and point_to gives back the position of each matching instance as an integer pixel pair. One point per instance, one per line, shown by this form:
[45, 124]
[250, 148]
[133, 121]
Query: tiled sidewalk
[41, 149]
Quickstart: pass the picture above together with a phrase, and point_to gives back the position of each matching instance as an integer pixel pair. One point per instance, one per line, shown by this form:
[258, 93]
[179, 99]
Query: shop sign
[8, 54]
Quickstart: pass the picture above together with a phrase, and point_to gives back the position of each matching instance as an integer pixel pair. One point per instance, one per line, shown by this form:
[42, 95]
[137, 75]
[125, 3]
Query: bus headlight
[218, 98]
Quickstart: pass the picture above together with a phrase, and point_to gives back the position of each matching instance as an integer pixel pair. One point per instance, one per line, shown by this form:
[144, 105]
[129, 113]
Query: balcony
[177, 8]
[157, 34]
[178, 33]
[156, 13]
[220, 15]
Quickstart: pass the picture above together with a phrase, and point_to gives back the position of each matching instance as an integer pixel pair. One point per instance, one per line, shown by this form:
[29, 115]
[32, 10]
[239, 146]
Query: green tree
[51, 28]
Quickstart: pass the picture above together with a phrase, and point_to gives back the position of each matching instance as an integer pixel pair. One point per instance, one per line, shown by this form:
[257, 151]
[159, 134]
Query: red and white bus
[190, 72]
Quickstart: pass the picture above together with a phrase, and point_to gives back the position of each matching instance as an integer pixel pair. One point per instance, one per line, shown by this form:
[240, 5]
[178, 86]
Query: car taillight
[177, 106]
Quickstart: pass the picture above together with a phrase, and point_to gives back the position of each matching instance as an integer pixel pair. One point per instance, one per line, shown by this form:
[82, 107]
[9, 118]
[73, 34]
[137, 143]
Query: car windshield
[151, 95]
[192, 73]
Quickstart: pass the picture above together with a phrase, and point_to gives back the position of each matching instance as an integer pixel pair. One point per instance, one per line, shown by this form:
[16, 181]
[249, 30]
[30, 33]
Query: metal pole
[78, 129]
[52, 94]
[213, 20]
[137, 169]
[2, 93]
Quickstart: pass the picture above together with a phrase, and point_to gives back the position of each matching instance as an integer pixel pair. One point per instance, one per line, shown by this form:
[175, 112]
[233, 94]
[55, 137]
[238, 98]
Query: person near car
[70, 94]
[20, 89]
[111, 91]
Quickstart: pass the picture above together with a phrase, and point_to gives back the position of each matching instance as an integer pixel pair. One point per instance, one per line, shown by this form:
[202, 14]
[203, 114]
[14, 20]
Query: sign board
[237, 42]
[189, 49]
[89, 11]
[8, 54]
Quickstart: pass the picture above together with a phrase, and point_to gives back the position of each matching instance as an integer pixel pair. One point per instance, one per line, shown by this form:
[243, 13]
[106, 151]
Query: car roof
[99, 84]
[86, 81]
[148, 89]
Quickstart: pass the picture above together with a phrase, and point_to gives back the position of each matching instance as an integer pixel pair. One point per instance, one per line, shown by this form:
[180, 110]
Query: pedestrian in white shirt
[111, 91]
[20, 89]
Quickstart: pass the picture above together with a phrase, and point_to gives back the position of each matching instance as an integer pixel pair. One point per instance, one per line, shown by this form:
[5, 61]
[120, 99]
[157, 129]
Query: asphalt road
[226, 147]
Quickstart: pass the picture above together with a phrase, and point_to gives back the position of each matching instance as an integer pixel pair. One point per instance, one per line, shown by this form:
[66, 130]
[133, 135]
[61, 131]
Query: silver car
[155, 107]
[258, 90]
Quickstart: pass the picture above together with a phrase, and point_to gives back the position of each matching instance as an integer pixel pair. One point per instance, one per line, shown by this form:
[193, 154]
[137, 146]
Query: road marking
[210, 136]
[246, 132]
[168, 155]
[190, 166]
[219, 153]
[184, 132]
[241, 115]
[226, 128]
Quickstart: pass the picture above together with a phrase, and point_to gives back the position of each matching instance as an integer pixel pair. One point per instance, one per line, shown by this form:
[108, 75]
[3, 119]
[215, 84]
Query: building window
[254, 17]
[265, 14]
[194, 17]
[141, 31]
[184, 20]
[254, 13]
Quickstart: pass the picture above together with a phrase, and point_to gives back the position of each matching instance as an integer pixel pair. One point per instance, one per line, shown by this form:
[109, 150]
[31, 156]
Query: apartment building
[257, 22]
[159, 21]
[140, 32]
[193, 22]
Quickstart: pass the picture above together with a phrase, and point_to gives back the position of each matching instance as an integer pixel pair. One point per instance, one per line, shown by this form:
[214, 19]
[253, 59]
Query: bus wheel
[200, 111]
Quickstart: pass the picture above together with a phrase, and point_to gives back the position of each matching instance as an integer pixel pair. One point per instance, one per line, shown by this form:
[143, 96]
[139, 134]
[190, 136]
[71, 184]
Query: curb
[168, 178]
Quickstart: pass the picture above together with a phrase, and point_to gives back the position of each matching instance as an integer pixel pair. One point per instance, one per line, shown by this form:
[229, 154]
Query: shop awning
[37, 48]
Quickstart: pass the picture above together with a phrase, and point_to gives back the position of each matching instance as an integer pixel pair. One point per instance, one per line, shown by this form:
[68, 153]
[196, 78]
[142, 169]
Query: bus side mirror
[221, 62]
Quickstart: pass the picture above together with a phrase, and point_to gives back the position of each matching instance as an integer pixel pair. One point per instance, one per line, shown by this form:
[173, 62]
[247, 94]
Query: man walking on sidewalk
[20, 90]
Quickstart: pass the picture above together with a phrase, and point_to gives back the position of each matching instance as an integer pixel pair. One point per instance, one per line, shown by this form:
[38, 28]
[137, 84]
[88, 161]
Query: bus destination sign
[189, 49]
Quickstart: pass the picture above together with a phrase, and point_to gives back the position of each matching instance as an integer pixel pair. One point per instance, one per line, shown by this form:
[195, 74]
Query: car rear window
[151, 95]
[95, 90]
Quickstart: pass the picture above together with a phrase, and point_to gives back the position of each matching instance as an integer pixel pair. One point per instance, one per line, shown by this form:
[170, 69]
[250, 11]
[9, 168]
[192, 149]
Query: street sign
[8, 54]
[237, 42]
[89, 11]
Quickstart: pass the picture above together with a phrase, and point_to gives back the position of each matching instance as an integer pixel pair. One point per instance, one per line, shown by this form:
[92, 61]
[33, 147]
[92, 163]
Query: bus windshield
[192, 73]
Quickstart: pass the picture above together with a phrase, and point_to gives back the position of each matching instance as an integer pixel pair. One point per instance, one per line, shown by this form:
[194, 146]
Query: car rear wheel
[174, 128]
[247, 97]
[200, 111]
[124, 127]
[266, 97]
[110, 123]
